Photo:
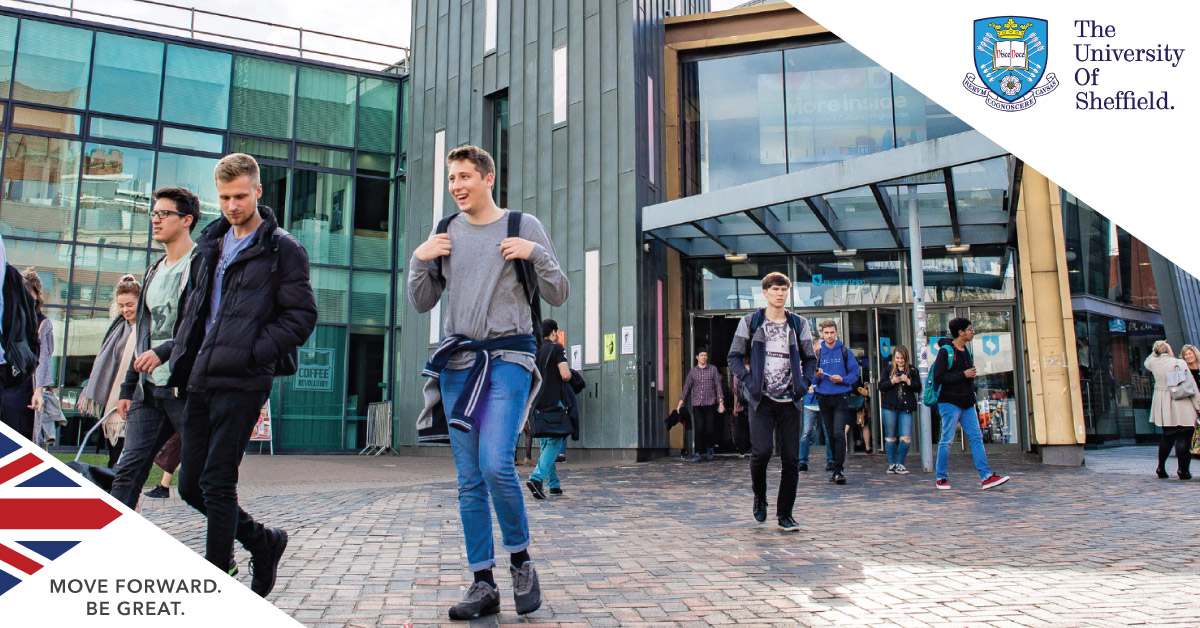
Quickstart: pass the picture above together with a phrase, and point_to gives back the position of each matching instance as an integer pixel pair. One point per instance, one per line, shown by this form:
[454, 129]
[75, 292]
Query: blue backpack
[931, 393]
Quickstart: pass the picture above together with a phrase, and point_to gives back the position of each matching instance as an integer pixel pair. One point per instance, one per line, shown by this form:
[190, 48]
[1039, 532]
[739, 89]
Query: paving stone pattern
[672, 543]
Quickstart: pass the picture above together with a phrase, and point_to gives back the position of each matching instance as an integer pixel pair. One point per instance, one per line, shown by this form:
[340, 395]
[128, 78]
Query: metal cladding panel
[585, 178]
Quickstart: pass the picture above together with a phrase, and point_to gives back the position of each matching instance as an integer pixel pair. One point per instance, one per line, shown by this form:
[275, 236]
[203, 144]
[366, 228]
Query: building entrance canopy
[965, 189]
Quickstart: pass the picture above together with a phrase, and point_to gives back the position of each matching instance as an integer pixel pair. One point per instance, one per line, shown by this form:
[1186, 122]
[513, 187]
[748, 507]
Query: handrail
[299, 49]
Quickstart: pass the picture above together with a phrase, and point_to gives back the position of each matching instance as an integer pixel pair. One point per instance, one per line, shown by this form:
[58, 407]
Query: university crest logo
[1010, 55]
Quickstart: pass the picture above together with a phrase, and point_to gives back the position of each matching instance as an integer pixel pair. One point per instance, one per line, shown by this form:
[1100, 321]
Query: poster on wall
[992, 353]
[315, 370]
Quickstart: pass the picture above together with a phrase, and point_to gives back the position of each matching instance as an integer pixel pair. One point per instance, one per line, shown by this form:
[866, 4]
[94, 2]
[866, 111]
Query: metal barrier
[379, 430]
[217, 28]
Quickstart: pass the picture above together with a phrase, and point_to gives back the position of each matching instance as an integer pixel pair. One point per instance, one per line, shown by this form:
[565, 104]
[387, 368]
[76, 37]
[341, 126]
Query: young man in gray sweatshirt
[485, 365]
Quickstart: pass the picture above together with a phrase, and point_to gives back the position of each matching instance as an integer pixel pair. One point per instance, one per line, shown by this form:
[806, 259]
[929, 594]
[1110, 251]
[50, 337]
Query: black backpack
[525, 272]
[760, 317]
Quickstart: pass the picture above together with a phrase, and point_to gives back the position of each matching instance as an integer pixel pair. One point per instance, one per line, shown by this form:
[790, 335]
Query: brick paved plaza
[376, 542]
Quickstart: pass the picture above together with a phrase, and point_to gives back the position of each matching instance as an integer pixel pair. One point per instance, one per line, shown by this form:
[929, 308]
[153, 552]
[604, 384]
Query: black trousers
[769, 418]
[704, 432]
[215, 434]
[14, 407]
[151, 423]
[835, 414]
[1181, 439]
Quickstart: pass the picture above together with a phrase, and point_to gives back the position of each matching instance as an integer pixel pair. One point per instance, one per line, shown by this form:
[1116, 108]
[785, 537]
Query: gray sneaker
[481, 599]
[526, 595]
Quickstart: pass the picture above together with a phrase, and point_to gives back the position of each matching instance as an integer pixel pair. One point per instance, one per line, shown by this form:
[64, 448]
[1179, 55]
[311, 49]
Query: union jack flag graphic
[44, 512]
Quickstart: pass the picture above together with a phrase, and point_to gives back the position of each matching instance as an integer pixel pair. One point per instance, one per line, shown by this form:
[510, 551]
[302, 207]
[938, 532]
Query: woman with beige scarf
[99, 398]
[1176, 417]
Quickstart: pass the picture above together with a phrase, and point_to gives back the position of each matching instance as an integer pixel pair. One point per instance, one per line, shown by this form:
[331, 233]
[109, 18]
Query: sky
[383, 21]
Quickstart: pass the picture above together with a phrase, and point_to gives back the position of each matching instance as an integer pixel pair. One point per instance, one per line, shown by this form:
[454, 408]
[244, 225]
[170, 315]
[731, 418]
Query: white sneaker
[901, 470]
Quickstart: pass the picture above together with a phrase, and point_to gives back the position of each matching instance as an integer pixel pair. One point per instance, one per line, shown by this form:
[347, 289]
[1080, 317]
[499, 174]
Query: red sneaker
[992, 482]
[943, 485]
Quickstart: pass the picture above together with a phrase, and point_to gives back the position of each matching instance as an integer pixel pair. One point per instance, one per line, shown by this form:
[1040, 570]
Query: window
[115, 197]
[127, 75]
[8, 40]
[320, 201]
[52, 64]
[370, 298]
[196, 89]
[263, 97]
[372, 209]
[195, 174]
[498, 145]
[40, 175]
[489, 26]
[377, 108]
[193, 140]
[325, 109]
[560, 85]
[97, 271]
[108, 129]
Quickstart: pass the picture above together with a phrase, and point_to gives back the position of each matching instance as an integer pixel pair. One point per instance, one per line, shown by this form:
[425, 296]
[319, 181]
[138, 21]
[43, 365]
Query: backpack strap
[756, 321]
[527, 276]
[443, 226]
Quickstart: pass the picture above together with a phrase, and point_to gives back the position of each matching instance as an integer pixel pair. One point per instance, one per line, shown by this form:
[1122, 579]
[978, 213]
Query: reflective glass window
[105, 128]
[196, 89]
[193, 140]
[115, 200]
[320, 202]
[274, 181]
[325, 109]
[44, 120]
[310, 155]
[41, 175]
[372, 212]
[98, 270]
[725, 285]
[377, 110]
[828, 280]
[405, 96]
[918, 118]
[261, 149]
[314, 398]
[83, 341]
[374, 164]
[985, 274]
[741, 120]
[127, 77]
[8, 40]
[370, 298]
[52, 64]
[263, 97]
[839, 105]
[52, 260]
[331, 287]
[195, 174]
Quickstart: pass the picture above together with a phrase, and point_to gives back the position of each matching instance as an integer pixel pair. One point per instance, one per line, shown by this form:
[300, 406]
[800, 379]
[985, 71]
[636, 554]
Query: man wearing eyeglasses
[153, 410]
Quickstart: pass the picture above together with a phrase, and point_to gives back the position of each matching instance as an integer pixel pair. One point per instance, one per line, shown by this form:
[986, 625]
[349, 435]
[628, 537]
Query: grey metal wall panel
[587, 179]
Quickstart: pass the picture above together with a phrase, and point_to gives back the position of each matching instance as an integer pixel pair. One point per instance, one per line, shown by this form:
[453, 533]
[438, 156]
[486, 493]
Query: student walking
[836, 378]
[899, 388]
[1176, 417]
[703, 383]
[248, 309]
[954, 375]
[101, 397]
[551, 402]
[778, 345]
[812, 424]
[19, 350]
[153, 411]
[488, 352]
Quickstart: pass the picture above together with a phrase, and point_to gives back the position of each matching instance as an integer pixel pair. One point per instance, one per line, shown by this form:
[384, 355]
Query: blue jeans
[546, 468]
[812, 425]
[484, 460]
[897, 435]
[951, 416]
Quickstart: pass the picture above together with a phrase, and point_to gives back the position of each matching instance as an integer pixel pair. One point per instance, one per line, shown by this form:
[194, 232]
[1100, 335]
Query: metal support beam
[889, 213]
[824, 213]
[952, 205]
[770, 226]
[922, 356]
[707, 227]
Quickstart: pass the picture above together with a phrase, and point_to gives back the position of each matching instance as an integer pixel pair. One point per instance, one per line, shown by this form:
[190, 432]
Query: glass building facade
[94, 120]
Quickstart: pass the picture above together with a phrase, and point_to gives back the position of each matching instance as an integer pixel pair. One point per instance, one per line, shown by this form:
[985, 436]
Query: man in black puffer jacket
[248, 308]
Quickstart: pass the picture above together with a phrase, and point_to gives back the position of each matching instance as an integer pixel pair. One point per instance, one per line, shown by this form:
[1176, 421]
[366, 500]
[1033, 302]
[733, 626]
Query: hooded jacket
[132, 388]
[800, 354]
[267, 311]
